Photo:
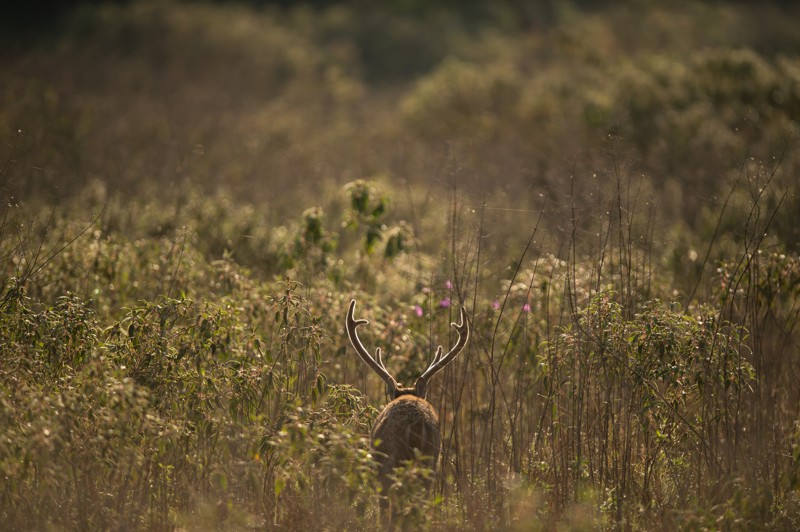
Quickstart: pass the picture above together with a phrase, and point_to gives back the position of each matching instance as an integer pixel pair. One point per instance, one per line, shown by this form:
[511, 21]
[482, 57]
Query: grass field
[194, 192]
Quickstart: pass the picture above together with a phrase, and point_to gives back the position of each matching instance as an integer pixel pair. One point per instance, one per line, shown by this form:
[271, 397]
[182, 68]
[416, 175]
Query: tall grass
[617, 210]
[148, 385]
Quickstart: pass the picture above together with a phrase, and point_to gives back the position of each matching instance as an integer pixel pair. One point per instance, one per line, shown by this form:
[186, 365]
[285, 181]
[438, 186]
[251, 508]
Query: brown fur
[405, 424]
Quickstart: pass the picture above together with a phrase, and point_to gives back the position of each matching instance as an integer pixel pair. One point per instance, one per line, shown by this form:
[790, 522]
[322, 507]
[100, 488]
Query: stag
[408, 424]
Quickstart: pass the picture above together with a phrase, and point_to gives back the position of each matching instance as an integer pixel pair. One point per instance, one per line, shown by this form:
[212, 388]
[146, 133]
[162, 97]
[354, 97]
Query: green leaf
[280, 483]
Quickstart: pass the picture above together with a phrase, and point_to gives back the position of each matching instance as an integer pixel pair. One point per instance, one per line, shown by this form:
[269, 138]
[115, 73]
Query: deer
[408, 425]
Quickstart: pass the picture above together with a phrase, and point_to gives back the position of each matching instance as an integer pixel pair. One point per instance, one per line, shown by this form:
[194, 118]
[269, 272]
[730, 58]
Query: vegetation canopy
[194, 192]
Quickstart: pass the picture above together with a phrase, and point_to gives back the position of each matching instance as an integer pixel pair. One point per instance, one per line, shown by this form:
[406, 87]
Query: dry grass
[186, 223]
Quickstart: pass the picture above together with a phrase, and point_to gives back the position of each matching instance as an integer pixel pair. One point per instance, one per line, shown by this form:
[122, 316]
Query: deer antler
[439, 361]
[376, 365]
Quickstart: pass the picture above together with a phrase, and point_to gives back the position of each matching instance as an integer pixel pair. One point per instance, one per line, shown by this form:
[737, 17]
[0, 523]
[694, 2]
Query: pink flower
[526, 307]
[418, 311]
[496, 304]
[448, 284]
[445, 303]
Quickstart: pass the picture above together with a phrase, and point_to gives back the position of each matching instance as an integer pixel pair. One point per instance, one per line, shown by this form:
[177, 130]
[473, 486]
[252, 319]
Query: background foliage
[195, 191]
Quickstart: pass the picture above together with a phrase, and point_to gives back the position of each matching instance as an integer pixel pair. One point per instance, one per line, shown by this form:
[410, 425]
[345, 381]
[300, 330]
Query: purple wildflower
[496, 304]
[445, 303]
[448, 284]
[418, 311]
[526, 307]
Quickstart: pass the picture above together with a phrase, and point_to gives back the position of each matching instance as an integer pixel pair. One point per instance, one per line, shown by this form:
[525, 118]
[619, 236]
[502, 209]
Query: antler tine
[436, 358]
[379, 359]
[377, 366]
[439, 361]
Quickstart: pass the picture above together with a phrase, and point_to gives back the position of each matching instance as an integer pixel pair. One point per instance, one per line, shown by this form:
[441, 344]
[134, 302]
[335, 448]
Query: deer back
[405, 424]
